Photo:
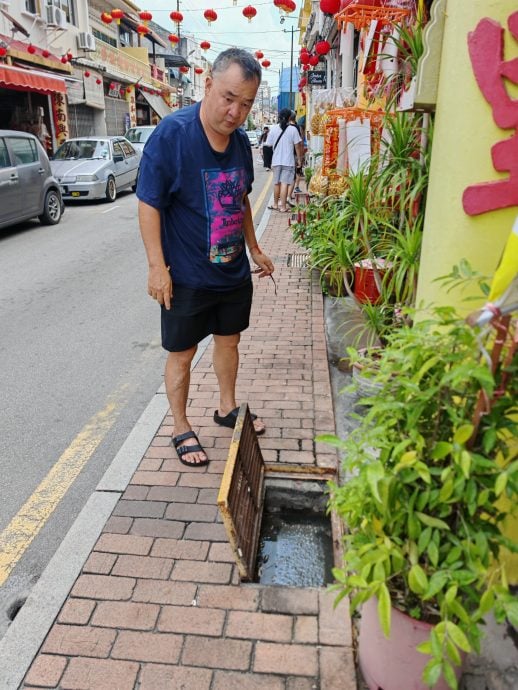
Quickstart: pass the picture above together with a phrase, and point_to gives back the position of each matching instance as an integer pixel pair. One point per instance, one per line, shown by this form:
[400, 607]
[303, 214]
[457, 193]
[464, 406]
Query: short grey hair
[237, 56]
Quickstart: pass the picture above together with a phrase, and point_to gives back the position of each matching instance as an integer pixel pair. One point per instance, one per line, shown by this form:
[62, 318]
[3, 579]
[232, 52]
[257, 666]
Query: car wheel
[111, 189]
[51, 208]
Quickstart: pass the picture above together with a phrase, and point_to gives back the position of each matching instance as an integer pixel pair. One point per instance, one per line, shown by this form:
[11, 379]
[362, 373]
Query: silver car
[27, 187]
[95, 167]
[139, 135]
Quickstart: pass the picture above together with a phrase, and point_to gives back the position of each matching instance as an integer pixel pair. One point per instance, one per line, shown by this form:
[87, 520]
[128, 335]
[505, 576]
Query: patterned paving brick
[231, 680]
[211, 652]
[157, 591]
[298, 660]
[147, 646]
[259, 626]
[180, 549]
[46, 671]
[72, 640]
[125, 614]
[155, 677]
[103, 587]
[99, 674]
[76, 611]
[191, 620]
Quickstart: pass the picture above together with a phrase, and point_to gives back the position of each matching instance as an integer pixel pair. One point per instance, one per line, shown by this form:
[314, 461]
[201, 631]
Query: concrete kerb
[26, 633]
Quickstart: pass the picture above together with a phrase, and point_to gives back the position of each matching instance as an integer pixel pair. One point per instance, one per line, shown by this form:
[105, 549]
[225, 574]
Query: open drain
[296, 542]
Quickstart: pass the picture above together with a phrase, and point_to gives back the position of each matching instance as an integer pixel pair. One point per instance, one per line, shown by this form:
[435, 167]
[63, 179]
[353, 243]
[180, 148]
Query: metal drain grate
[298, 260]
[241, 494]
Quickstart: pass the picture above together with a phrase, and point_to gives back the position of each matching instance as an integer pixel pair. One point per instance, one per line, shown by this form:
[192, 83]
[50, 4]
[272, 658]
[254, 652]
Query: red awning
[31, 80]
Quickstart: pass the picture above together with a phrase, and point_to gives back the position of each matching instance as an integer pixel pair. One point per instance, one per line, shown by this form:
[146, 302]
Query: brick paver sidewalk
[158, 604]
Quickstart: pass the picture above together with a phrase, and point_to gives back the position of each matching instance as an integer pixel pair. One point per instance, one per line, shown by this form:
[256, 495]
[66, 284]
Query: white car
[252, 138]
[95, 167]
[139, 135]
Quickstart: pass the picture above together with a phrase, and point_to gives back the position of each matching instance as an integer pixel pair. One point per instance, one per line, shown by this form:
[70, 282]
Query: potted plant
[423, 502]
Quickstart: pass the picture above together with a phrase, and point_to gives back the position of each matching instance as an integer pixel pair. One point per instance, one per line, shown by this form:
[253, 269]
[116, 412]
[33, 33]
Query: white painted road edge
[26, 633]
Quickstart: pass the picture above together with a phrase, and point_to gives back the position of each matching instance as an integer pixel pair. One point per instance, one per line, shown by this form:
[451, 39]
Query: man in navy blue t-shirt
[195, 219]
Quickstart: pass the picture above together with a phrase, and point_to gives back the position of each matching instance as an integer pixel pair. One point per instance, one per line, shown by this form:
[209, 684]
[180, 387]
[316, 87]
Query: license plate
[75, 193]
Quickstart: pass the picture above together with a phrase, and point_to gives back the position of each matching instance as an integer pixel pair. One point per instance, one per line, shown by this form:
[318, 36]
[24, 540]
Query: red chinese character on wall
[486, 50]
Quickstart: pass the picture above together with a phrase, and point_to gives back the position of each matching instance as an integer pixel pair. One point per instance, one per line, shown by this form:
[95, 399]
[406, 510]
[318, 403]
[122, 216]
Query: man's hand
[160, 285]
[264, 262]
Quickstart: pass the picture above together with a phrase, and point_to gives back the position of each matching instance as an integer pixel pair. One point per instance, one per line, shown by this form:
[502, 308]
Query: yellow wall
[461, 156]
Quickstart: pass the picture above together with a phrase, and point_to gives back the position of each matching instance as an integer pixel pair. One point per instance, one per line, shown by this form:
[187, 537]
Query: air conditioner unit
[56, 17]
[86, 41]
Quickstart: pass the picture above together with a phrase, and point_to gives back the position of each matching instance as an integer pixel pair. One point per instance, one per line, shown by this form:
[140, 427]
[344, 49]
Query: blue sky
[264, 32]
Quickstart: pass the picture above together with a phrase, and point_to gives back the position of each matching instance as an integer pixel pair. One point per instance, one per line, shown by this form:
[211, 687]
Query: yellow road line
[260, 198]
[30, 519]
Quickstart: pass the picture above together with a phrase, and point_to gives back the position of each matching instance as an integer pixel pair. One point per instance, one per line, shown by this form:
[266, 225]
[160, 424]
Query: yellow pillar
[461, 156]
[464, 133]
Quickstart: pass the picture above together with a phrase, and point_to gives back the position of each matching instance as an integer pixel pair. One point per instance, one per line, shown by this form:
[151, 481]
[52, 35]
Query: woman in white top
[287, 154]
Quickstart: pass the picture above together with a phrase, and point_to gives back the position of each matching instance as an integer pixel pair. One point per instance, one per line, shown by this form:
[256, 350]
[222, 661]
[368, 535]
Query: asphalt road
[80, 360]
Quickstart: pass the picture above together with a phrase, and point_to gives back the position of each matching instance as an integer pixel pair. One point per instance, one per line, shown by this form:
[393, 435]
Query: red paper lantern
[322, 47]
[199, 70]
[303, 82]
[98, 81]
[3, 51]
[304, 58]
[45, 53]
[106, 18]
[285, 6]
[249, 12]
[145, 16]
[314, 60]
[176, 17]
[210, 16]
[330, 6]
[266, 64]
[142, 29]
[259, 54]
[184, 69]
[204, 45]
[173, 38]
[87, 74]
[70, 57]
[122, 92]
[305, 67]
[117, 15]
[31, 49]
[64, 59]
[112, 85]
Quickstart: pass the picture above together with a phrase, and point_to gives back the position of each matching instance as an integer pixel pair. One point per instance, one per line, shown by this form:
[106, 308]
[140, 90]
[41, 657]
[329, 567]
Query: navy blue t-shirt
[200, 194]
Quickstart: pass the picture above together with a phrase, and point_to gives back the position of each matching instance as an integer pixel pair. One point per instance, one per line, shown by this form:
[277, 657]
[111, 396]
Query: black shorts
[195, 314]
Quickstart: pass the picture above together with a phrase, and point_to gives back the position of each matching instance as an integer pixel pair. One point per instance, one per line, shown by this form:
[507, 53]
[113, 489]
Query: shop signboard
[317, 77]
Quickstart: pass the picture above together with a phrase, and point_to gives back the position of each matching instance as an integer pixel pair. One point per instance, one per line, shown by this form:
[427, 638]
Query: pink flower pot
[394, 664]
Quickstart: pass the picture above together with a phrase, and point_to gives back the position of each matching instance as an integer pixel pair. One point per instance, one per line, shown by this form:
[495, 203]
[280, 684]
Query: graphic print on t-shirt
[224, 192]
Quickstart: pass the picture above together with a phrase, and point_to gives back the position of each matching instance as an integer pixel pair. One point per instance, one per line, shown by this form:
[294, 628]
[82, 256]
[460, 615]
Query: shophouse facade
[66, 72]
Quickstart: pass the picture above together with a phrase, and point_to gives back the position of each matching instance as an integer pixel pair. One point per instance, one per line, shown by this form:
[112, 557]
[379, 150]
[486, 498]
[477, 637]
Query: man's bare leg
[177, 379]
[283, 197]
[225, 359]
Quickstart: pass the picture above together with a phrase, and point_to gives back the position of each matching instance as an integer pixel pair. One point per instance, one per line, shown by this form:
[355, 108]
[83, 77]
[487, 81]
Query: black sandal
[184, 450]
[231, 418]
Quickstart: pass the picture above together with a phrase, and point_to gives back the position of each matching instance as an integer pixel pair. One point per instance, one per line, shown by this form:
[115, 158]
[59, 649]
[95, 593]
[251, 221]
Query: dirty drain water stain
[295, 549]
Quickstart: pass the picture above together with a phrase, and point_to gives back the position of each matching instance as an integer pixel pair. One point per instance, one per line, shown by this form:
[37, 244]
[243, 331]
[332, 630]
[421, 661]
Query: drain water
[296, 545]
[14, 608]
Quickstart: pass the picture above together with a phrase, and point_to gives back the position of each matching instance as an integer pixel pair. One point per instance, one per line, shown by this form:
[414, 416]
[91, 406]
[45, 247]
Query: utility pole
[291, 71]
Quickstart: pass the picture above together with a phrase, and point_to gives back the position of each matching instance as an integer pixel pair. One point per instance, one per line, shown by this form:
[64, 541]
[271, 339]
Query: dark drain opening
[296, 542]
[14, 609]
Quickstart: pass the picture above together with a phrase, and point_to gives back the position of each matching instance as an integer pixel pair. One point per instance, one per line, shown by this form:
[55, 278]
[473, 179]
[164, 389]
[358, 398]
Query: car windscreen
[138, 136]
[83, 149]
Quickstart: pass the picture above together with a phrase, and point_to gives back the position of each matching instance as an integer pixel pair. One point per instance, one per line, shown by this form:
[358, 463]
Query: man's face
[228, 99]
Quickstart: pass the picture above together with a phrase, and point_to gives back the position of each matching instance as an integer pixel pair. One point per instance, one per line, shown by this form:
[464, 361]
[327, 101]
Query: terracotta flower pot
[393, 664]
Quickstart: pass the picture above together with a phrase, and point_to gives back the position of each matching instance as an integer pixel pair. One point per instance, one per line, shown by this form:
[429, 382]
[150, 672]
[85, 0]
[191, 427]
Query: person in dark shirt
[195, 219]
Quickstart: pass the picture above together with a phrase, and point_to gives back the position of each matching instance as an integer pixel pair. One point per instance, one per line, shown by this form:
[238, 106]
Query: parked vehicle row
[96, 167]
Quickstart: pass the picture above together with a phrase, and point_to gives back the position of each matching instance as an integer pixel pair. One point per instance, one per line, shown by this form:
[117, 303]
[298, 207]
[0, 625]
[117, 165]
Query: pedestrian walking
[196, 222]
[266, 151]
[287, 152]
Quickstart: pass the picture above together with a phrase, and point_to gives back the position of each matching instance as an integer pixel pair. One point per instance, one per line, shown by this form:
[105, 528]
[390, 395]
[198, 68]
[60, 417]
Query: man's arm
[263, 261]
[159, 285]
